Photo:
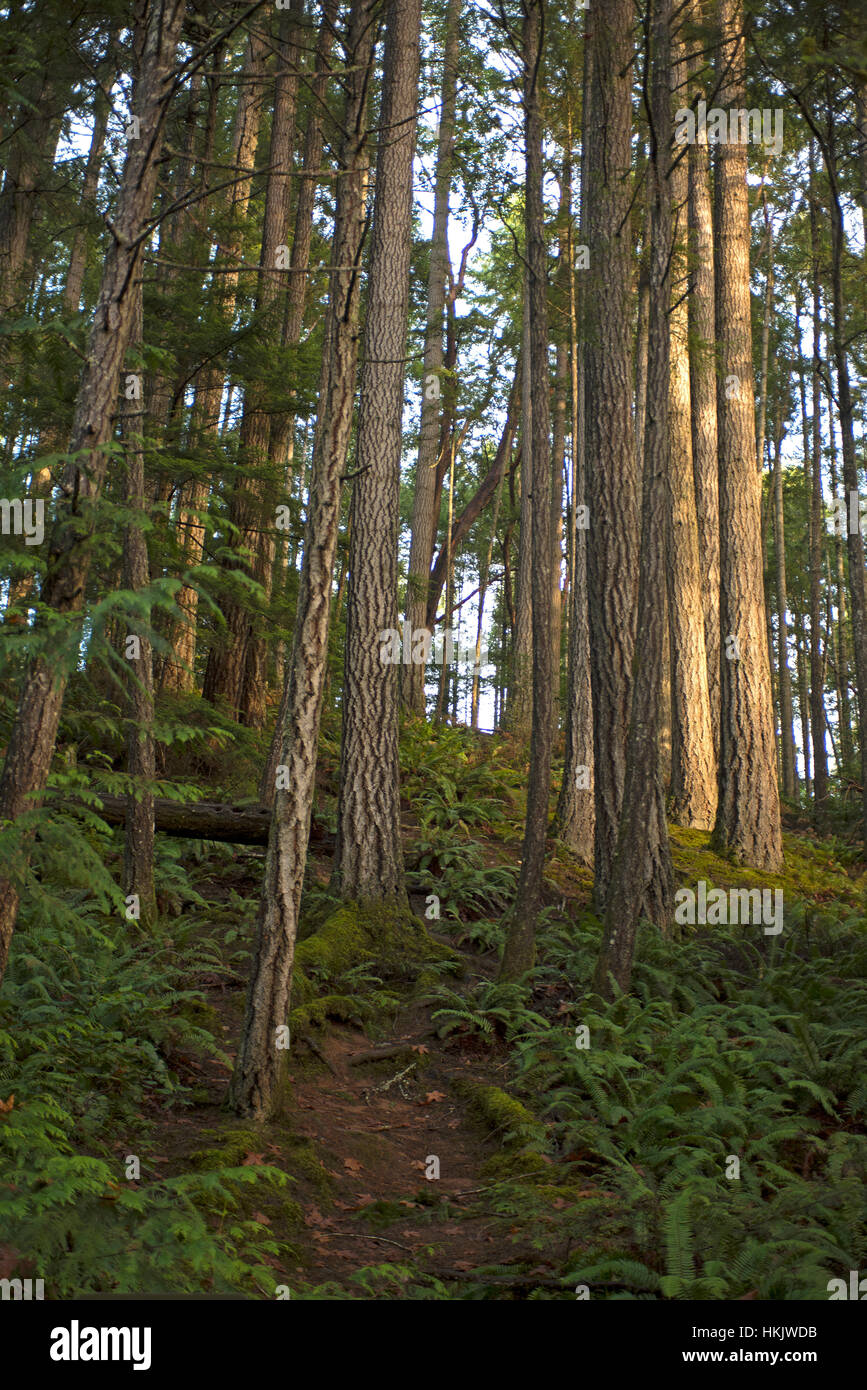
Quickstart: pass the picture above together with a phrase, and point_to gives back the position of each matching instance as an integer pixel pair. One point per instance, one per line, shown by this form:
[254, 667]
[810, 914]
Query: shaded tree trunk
[519, 953]
[642, 879]
[787, 726]
[138, 857]
[575, 809]
[612, 466]
[817, 678]
[424, 512]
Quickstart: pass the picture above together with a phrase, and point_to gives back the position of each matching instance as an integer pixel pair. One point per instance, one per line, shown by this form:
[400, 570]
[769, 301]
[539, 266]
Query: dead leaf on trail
[352, 1165]
[434, 1097]
[417, 1163]
[262, 1219]
[314, 1217]
[253, 1160]
[6, 1105]
[419, 1048]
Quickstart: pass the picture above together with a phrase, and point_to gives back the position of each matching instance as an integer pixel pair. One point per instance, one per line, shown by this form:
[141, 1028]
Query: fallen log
[207, 820]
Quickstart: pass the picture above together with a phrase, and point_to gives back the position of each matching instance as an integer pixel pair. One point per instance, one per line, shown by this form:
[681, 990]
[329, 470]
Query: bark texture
[369, 860]
[748, 819]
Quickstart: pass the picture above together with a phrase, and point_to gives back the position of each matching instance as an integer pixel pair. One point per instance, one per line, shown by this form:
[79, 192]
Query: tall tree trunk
[612, 466]
[642, 879]
[369, 861]
[256, 1087]
[693, 761]
[483, 591]
[854, 537]
[703, 385]
[138, 858]
[520, 704]
[424, 514]
[787, 728]
[575, 808]
[817, 527]
[748, 820]
[844, 706]
[519, 953]
[34, 731]
[804, 701]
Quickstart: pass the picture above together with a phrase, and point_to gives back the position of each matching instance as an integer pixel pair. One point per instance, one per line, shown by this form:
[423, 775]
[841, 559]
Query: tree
[702, 367]
[612, 467]
[256, 1083]
[369, 861]
[425, 491]
[642, 880]
[520, 945]
[748, 817]
[693, 760]
[31, 743]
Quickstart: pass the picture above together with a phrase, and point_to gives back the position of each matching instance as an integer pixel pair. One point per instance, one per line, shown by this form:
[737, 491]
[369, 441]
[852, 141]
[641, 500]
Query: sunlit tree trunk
[369, 861]
[748, 819]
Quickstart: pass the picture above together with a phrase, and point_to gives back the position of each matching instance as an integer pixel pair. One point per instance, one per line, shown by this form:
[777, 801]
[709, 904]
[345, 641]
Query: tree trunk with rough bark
[369, 863]
[693, 761]
[138, 855]
[575, 810]
[703, 384]
[424, 514]
[612, 465]
[817, 524]
[748, 819]
[520, 948]
[257, 1083]
[642, 879]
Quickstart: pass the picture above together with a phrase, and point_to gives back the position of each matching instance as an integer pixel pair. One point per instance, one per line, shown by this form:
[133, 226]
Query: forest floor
[444, 1136]
[367, 1118]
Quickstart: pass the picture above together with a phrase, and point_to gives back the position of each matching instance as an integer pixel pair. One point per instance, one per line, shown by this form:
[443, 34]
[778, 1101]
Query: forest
[433, 650]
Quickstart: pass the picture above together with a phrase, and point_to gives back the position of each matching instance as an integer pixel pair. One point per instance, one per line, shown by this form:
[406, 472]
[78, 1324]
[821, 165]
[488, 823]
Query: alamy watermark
[23, 517]
[737, 907]
[738, 126]
[418, 646]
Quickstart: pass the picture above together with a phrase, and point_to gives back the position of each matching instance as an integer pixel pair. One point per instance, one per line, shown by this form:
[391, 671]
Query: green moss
[390, 937]
[809, 870]
[510, 1122]
[229, 1153]
[200, 1014]
[339, 1006]
[524, 1163]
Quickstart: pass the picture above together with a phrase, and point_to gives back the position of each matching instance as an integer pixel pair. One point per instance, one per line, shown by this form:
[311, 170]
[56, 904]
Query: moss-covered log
[208, 820]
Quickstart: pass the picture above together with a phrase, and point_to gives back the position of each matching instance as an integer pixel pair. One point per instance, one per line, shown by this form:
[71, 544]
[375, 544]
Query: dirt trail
[374, 1125]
